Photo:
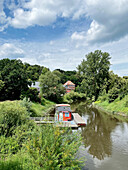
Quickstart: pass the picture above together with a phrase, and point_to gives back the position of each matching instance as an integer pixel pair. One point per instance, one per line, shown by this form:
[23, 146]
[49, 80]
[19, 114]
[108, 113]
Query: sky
[59, 33]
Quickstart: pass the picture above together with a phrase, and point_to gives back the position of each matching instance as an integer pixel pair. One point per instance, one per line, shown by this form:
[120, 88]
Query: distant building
[36, 85]
[69, 86]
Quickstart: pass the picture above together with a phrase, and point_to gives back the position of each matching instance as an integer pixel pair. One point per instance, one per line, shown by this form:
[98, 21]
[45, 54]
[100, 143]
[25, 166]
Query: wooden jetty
[74, 124]
[78, 119]
[70, 124]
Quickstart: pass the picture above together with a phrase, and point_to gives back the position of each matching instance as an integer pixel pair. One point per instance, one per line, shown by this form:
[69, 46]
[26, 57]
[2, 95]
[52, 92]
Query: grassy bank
[37, 109]
[117, 107]
[43, 108]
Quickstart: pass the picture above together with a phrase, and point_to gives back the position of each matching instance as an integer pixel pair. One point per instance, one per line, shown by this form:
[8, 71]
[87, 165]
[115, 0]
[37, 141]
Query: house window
[66, 114]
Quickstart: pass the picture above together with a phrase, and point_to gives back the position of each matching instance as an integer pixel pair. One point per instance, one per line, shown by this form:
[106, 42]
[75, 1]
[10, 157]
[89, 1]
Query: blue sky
[59, 33]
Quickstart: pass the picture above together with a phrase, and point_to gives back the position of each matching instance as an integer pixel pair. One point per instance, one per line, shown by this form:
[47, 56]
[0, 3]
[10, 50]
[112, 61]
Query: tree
[94, 69]
[50, 86]
[15, 79]
[1, 85]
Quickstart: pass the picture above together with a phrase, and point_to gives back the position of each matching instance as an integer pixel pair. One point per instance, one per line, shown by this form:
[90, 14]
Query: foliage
[14, 77]
[12, 114]
[26, 103]
[74, 96]
[28, 146]
[33, 71]
[32, 94]
[19, 161]
[113, 88]
[68, 75]
[94, 69]
[41, 109]
[8, 145]
[117, 105]
[113, 94]
[50, 87]
[1, 85]
[52, 148]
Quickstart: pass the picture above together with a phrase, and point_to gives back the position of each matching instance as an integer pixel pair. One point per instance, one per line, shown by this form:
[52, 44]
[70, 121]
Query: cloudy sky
[59, 33]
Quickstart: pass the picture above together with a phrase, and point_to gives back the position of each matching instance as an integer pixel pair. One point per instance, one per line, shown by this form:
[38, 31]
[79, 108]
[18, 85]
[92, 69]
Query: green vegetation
[51, 88]
[32, 94]
[113, 97]
[15, 78]
[24, 145]
[12, 114]
[38, 109]
[74, 96]
[117, 106]
[94, 70]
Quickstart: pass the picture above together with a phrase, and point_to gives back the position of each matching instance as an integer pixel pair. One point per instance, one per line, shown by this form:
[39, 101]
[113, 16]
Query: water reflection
[97, 133]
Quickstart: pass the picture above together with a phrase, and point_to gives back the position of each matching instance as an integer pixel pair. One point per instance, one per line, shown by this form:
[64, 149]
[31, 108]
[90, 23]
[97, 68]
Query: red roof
[69, 83]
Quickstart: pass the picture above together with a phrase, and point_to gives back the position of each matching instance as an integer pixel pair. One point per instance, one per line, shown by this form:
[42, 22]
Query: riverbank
[117, 108]
[36, 109]
[43, 108]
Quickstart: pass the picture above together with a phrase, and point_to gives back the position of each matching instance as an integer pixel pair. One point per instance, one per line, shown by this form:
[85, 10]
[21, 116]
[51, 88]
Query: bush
[74, 96]
[45, 147]
[52, 148]
[20, 161]
[12, 114]
[27, 104]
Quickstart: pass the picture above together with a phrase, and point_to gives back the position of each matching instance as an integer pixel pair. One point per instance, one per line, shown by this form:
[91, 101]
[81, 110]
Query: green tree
[50, 86]
[32, 93]
[94, 70]
[15, 79]
[1, 85]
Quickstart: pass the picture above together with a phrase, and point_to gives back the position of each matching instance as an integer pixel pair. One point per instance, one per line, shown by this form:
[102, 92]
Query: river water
[105, 140]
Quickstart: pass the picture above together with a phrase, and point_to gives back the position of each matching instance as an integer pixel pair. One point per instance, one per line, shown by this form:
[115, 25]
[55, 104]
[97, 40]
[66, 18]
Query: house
[63, 112]
[36, 85]
[69, 86]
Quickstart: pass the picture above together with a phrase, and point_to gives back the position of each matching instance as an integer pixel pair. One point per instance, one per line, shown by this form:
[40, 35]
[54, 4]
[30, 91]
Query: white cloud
[43, 12]
[10, 51]
[109, 20]
[78, 36]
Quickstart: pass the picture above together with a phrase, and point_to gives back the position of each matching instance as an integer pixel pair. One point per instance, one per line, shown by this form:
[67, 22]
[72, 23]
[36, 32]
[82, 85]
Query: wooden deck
[70, 124]
[78, 119]
[50, 120]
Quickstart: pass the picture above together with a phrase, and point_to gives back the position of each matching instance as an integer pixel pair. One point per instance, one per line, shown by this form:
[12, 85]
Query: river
[105, 140]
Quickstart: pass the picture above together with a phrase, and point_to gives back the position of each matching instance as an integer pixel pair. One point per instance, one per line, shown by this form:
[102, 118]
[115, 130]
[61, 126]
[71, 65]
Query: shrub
[52, 148]
[74, 96]
[12, 114]
[20, 161]
[27, 104]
